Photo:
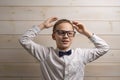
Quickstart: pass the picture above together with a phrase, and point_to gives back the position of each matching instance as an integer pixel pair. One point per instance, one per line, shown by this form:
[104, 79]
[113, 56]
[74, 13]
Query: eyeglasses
[63, 33]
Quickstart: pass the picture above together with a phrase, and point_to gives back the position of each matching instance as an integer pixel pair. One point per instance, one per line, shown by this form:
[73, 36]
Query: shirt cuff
[93, 37]
[36, 29]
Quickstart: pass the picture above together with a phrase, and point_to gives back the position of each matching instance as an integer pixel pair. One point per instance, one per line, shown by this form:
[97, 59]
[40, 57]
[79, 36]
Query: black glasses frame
[63, 33]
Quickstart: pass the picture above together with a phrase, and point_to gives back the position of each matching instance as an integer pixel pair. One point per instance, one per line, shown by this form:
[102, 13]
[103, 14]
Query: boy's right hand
[48, 23]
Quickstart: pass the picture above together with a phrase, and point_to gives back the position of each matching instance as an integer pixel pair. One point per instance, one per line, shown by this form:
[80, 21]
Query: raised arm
[27, 39]
[101, 47]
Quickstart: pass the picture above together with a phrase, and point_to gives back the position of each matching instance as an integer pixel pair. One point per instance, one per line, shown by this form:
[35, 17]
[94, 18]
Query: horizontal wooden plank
[113, 56]
[33, 70]
[19, 70]
[5, 78]
[19, 27]
[86, 78]
[115, 25]
[16, 56]
[22, 56]
[59, 3]
[102, 70]
[11, 41]
[41, 13]
[102, 78]
[21, 78]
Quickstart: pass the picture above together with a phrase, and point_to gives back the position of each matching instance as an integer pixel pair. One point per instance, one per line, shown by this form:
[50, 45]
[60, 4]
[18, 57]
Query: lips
[65, 41]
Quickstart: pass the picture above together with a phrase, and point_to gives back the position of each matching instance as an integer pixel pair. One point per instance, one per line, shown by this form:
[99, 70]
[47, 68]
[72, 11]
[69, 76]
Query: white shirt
[67, 67]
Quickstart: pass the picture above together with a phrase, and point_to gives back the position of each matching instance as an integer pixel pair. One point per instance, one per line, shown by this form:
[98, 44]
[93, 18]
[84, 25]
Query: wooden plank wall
[100, 16]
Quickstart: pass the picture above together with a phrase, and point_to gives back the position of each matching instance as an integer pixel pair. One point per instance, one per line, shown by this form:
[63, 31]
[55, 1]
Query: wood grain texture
[76, 13]
[101, 17]
[60, 3]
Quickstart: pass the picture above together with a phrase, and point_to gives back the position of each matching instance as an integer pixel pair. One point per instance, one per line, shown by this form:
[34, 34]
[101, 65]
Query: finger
[76, 27]
[76, 23]
[52, 19]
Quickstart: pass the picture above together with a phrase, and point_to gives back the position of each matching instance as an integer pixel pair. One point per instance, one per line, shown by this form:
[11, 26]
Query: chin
[65, 46]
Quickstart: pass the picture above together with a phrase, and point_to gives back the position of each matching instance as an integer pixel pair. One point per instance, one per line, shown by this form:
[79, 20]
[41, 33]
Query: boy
[63, 63]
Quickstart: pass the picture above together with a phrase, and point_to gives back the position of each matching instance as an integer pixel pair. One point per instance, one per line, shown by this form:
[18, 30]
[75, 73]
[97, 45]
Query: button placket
[67, 65]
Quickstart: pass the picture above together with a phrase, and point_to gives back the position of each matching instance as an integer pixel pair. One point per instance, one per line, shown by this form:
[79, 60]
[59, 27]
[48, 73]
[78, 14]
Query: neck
[63, 49]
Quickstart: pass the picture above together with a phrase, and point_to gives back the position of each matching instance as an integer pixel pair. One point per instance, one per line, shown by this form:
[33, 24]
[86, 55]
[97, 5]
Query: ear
[53, 36]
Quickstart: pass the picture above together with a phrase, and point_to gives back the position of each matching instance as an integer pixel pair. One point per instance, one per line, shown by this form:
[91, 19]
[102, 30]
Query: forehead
[64, 26]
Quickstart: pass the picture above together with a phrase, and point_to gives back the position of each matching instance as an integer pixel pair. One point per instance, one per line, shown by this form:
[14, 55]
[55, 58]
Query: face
[62, 35]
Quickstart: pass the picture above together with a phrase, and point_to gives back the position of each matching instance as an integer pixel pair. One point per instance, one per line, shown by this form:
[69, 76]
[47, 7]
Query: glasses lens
[70, 33]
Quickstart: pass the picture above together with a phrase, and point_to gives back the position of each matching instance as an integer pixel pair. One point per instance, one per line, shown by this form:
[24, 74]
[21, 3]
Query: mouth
[65, 41]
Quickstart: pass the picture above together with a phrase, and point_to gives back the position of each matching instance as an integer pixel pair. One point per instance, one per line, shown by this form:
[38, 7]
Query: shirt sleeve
[101, 47]
[38, 51]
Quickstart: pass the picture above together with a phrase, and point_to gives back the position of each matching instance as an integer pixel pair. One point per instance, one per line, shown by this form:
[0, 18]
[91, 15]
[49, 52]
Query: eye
[61, 32]
[70, 33]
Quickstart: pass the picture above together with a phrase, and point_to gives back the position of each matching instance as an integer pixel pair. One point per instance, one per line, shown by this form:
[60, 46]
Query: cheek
[58, 38]
[55, 37]
[71, 39]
